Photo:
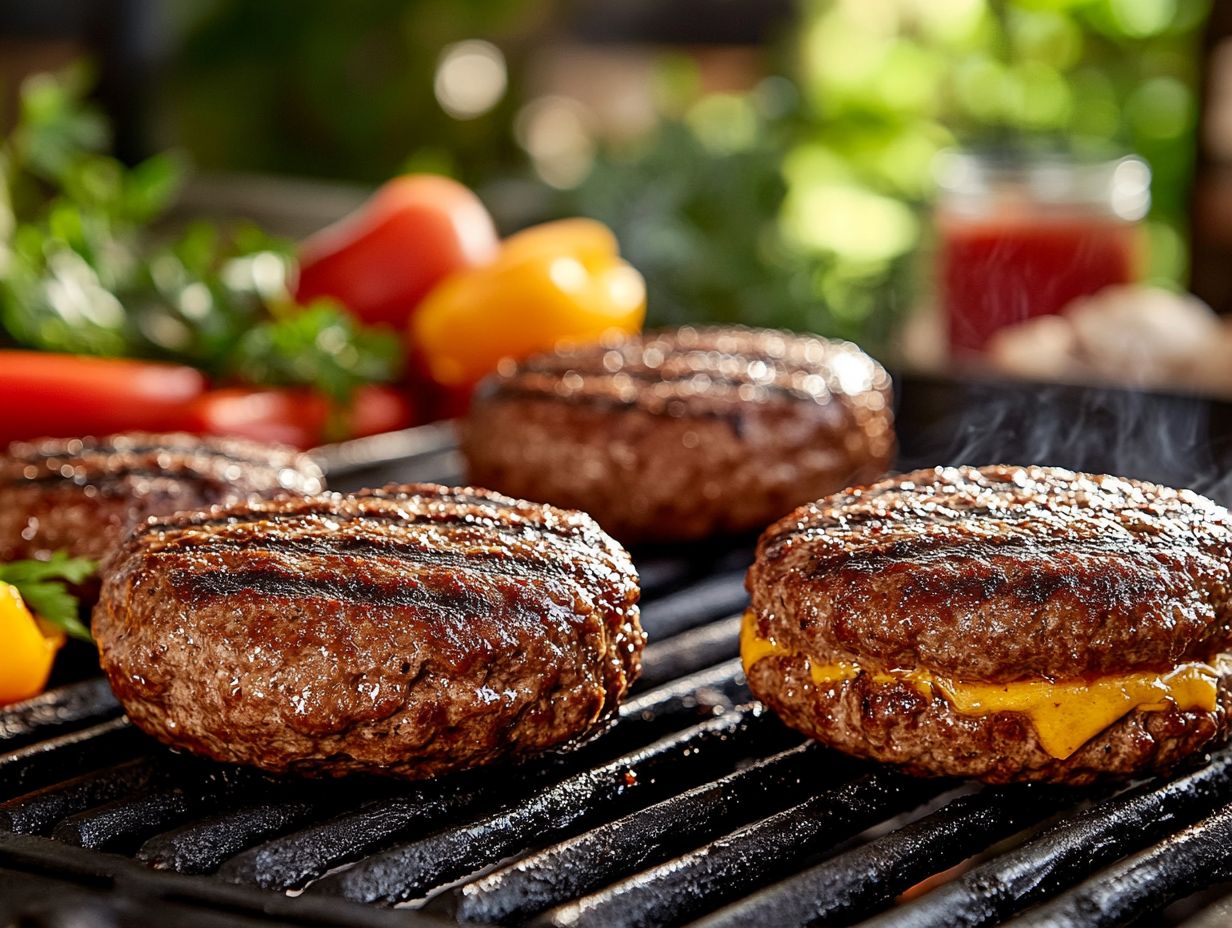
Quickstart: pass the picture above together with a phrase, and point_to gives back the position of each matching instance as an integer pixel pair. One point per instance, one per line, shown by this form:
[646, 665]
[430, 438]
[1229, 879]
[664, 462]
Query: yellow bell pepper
[557, 281]
[27, 648]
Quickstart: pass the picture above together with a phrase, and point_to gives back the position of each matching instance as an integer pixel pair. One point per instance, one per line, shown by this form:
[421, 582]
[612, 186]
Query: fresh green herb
[320, 344]
[42, 584]
[81, 272]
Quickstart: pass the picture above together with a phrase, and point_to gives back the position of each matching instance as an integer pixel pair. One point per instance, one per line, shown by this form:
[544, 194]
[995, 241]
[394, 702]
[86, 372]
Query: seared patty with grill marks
[993, 575]
[82, 494]
[683, 433]
[409, 631]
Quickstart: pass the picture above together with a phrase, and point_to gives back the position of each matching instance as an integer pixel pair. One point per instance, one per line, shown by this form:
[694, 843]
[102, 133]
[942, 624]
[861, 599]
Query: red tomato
[382, 259]
[64, 395]
[293, 415]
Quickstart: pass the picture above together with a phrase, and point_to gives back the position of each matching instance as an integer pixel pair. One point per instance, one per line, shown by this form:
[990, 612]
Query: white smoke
[1172, 439]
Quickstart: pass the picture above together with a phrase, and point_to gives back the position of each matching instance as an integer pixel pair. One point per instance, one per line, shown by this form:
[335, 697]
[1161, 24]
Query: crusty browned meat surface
[683, 433]
[995, 574]
[82, 494]
[408, 631]
[1001, 573]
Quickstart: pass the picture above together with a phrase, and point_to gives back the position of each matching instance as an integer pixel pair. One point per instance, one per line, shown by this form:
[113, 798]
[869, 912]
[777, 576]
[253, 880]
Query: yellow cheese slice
[1066, 713]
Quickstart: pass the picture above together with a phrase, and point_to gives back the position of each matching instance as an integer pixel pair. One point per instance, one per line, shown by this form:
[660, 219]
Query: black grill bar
[44, 716]
[123, 823]
[68, 755]
[1067, 852]
[36, 812]
[662, 569]
[413, 870]
[694, 606]
[660, 575]
[603, 855]
[294, 860]
[1182, 864]
[862, 881]
[653, 714]
[88, 869]
[565, 839]
[113, 826]
[202, 847]
[699, 882]
[688, 652]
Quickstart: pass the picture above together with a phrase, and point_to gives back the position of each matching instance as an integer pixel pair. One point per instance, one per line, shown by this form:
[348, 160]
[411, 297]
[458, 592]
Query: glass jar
[1023, 235]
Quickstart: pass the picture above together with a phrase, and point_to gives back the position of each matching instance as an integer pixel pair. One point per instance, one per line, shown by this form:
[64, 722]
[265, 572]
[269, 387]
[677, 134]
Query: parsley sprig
[43, 586]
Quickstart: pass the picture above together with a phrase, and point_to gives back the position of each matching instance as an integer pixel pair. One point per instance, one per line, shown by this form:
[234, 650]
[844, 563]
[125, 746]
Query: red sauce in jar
[1024, 232]
[998, 273]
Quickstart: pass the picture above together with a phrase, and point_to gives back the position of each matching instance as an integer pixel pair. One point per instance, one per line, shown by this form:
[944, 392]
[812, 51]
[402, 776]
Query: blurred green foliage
[810, 211]
[336, 89]
[82, 271]
[698, 209]
[888, 83]
[803, 203]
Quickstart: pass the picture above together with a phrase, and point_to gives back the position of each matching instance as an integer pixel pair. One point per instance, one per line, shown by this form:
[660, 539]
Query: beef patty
[1002, 622]
[408, 631]
[81, 495]
[685, 433]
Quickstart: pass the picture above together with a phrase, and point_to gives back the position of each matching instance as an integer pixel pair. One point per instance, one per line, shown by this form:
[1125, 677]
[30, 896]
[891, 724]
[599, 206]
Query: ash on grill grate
[691, 806]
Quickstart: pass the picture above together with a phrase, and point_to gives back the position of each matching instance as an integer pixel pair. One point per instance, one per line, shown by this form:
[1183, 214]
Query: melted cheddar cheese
[1065, 713]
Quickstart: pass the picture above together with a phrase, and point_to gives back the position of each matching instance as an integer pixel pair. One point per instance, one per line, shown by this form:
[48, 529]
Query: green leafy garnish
[82, 271]
[321, 344]
[42, 584]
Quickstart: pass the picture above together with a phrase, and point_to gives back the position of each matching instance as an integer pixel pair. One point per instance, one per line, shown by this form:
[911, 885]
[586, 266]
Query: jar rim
[1120, 183]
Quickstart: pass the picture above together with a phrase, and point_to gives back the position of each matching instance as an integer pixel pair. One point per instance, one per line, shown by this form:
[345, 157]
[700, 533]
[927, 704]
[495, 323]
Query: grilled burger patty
[82, 494]
[409, 631]
[684, 433]
[1002, 622]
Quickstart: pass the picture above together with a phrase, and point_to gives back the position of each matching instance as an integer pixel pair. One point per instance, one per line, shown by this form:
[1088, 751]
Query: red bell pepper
[296, 416]
[63, 396]
[381, 260]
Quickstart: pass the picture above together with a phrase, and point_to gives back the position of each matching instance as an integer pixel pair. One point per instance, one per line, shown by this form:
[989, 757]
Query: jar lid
[1120, 185]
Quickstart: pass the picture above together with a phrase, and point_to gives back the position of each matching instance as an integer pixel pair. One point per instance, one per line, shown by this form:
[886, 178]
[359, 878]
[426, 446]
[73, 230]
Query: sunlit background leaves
[790, 187]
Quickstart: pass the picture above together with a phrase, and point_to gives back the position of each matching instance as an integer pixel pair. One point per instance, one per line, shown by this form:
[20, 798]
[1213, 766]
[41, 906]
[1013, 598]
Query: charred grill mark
[718, 363]
[576, 544]
[461, 499]
[672, 405]
[321, 511]
[455, 597]
[104, 451]
[673, 373]
[713, 375]
[445, 518]
[839, 518]
[925, 550]
[495, 563]
[592, 363]
[105, 478]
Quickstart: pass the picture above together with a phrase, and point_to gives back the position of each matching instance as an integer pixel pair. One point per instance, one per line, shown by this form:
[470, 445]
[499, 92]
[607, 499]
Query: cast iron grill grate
[696, 806]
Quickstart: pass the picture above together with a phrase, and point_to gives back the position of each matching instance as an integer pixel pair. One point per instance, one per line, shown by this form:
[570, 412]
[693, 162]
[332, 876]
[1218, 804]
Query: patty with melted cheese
[1005, 623]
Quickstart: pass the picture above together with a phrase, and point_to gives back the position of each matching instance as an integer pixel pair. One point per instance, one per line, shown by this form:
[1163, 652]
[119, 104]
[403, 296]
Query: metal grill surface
[695, 807]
